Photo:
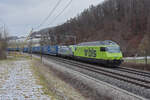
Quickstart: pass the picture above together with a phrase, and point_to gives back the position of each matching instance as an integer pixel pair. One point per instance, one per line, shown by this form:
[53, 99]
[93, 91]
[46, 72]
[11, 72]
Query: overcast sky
[21, 15]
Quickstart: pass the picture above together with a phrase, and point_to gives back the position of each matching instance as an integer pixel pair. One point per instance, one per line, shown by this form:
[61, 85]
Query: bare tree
[126, 22]
[3, 43]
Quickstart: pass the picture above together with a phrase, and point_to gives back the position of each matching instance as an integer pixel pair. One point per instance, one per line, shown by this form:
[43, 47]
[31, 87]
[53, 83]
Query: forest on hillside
[126, 22]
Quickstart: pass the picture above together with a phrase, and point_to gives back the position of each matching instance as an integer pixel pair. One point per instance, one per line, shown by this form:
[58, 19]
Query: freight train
[101, 52]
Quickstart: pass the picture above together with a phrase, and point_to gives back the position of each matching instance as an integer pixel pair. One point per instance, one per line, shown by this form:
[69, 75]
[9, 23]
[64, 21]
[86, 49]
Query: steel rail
[134, 71]
[129, 79]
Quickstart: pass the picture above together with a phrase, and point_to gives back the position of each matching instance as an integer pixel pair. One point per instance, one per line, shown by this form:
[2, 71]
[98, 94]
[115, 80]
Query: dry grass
[13, 57]
[2, 55]
[18, 55]
[140, 66]
[137, 61]
[137, 64]
[90, 93]
[53, 84]
[42, 81]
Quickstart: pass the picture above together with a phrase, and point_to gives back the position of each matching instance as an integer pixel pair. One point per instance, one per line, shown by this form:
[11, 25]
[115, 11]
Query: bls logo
[90, 52]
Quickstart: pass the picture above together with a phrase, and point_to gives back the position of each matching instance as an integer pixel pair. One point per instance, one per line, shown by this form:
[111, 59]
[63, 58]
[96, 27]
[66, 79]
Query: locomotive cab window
[113, 49]
[103, 49]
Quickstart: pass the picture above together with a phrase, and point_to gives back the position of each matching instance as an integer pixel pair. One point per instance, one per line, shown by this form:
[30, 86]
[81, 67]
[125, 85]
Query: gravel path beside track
[17, 82]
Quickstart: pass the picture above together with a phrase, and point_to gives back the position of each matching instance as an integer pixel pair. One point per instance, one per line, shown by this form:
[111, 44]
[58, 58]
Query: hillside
[126, 22]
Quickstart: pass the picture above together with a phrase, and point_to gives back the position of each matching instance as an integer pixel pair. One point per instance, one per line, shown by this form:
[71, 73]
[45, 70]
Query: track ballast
[125, 75]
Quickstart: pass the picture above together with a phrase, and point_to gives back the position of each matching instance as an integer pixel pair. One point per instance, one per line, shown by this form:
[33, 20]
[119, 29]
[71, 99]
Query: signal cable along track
[100, 70]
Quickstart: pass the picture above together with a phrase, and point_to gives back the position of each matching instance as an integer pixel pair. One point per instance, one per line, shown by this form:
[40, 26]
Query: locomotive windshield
[97, 43]
[113, 49]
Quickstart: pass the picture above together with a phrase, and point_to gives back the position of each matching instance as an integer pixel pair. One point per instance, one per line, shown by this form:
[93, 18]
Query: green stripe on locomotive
[96, 53]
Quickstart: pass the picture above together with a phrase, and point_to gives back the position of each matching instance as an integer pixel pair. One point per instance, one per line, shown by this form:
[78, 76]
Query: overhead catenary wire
[68, 4]
[50, 14]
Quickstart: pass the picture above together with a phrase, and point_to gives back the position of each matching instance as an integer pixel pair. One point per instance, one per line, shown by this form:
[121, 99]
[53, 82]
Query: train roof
[97, 43]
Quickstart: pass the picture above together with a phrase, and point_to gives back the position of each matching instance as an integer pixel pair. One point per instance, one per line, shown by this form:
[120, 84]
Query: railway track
[94, 80]
[111, 72]
[134, 71]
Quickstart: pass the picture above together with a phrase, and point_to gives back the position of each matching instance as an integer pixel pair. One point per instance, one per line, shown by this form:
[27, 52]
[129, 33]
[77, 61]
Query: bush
[3, 45]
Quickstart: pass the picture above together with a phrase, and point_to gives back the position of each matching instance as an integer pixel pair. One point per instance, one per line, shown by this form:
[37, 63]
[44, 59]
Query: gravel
[18, 83]
[121, 84]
